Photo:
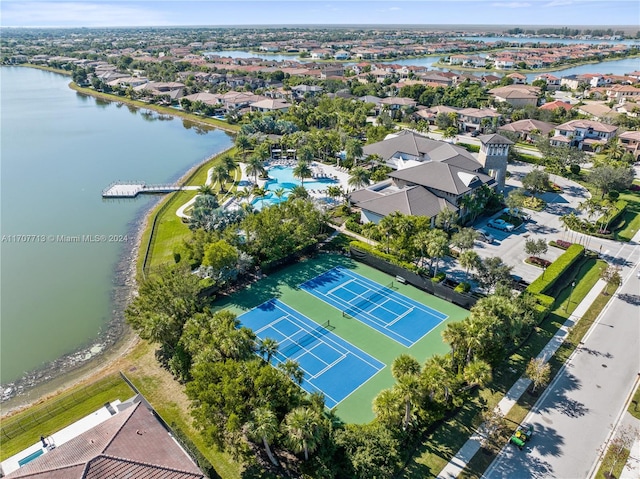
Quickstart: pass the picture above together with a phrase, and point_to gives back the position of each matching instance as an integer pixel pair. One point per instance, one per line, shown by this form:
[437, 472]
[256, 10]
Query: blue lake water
[59, 150]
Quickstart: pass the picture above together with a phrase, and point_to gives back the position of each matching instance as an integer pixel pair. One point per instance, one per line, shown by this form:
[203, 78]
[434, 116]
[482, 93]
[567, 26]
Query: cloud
[79, 14]
[559, 3]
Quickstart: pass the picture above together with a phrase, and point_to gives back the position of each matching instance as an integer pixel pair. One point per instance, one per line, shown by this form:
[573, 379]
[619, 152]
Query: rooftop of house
[586, 124]
[443, 177]
[383, 199]
[527, 126]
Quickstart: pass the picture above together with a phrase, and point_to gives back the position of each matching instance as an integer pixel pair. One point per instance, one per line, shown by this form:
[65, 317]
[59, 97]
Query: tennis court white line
[271, 323]
[328, 366]
[400, 317]
[340, 286]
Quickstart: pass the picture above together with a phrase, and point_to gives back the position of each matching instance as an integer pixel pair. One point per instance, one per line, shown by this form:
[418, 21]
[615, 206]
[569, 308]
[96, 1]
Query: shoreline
[114, 339]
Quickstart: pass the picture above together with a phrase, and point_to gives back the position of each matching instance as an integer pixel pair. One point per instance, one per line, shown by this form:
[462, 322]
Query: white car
[501, 225]
[483, 235]
[517, 213]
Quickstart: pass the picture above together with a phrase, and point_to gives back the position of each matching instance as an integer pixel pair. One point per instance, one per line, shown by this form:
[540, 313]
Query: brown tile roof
[133, 436]
[415, 201]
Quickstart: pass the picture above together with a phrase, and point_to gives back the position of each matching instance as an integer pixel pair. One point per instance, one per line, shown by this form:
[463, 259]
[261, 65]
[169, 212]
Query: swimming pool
[282, 177]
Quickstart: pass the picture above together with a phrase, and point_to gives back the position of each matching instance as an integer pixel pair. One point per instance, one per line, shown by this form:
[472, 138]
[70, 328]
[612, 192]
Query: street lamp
[573, 285]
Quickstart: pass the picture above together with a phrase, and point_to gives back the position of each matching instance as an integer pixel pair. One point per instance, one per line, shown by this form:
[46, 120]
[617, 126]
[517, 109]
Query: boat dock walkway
[134, 188]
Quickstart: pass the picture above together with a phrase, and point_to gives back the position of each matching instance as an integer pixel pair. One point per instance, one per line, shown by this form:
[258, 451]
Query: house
[596, 111]
[472, 119]
[300, 91]
[269, 105]
[553, 82]
[131, 442]
[552, 105]
[583, 134]
[518, 78]
[396, 103]
[517, 95]
[631, 142]
[525, 129]
[341, 55]
[622, 93]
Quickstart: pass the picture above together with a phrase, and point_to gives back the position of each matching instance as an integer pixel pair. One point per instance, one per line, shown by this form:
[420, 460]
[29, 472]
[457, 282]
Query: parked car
[475, 133]
[500, 224]
[483, 235]
[517, 213]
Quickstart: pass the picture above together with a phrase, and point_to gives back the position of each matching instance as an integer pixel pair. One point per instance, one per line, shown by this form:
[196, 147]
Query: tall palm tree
[255, 167]
[477, 373]
[387, 406]
[420, 242]
[302, 426]
[468, 259]
[268, 347]
[221, 174]
[279, 193]
[302, 171]
[353, 149]
[206, 190]
[334, 191]
[358, 177]
[305, 154]
[455, 335]
[229, 162]
[243, 142]
[264, 425]
[406, 370]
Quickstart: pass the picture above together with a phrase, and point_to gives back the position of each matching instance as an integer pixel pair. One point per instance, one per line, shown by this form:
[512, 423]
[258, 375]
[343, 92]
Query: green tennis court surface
[284, 285]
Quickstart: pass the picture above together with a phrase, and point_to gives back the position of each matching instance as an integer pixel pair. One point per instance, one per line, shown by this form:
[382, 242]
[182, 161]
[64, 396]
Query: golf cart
[522, 435]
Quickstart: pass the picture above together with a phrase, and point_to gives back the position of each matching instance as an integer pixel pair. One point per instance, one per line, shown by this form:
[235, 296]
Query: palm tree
[387, 407]
[405, 370]
[420, 242]
[265, 427]
[358, 177]
[268, 347]
[455, 334]
[298, 191]
[243, 142]
[229, 162]
[259, 193]
[468, 259]
[279, 193]
[255, 167]
[305, 154]
[334, 191]
[438, 247]
[206, 190]
[302, 171]
[477, 373]
[302, 426]
[292, 369]
[221, 174]
[353, 149]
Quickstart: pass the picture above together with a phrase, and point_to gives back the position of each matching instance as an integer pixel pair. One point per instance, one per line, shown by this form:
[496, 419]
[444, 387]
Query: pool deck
[64, 435]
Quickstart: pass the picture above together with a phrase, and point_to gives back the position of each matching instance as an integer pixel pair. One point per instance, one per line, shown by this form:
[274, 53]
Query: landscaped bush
[610, 218]
[556, 269]
[469, 147]
[387, 257]
[562, 244]
[438, 278]
[462, 288]
[543, 263]
[353, 225]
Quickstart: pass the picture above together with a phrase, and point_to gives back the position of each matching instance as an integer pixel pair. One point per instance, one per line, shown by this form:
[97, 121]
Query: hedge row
[469, 147]
[387, 257]
[556, 269]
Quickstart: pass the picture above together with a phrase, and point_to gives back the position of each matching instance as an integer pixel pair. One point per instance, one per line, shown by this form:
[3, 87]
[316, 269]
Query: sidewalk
[471, 447]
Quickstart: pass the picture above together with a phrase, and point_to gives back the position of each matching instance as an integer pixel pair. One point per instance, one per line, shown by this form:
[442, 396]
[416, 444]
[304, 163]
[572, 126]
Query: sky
[105, 13]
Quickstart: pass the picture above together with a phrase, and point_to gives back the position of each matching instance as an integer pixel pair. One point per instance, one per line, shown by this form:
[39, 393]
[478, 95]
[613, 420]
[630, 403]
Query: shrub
[619, 209]
[469, 147]
[635, 187]
[561, 244]
[614, 195]
[543, 263]
[575, 169]
[386, 257]
[556, 269]
[462, 288]
[353, 225]
[438, 278]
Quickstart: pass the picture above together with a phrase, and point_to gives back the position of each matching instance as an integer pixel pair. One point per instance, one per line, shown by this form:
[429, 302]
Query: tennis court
[331, 365]
[380, 307]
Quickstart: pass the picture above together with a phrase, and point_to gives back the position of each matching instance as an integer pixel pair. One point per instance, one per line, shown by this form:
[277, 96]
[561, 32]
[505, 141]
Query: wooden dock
[133, 189]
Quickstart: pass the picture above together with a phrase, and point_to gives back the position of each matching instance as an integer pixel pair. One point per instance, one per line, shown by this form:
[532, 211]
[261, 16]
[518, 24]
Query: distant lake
[566, 41]
[59, 150]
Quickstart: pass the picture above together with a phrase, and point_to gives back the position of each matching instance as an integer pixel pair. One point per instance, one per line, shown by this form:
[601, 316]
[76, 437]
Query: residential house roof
[270, 104]
[595, 110]
[527, 126]
[513, 92]
[415, 201]
[131, 443]
[443, 177]
[595, 125]
[556, 104]
[494, 139]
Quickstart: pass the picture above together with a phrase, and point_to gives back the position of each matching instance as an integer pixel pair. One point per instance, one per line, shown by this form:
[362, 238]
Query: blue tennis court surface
[331, 365]
[385, 310]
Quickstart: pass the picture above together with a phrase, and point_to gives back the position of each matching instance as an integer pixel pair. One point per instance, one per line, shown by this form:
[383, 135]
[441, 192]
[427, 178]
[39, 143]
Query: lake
[59, 150]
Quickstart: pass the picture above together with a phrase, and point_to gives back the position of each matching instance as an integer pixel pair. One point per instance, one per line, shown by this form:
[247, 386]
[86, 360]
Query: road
[576, 413]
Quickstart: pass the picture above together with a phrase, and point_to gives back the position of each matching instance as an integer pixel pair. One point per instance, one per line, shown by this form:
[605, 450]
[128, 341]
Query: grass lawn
[23, 429]
[631, 217]
[634, 407]
[605, 467]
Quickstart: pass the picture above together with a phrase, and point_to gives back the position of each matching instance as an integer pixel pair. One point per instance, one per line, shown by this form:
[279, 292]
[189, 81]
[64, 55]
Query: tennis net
[306, 340]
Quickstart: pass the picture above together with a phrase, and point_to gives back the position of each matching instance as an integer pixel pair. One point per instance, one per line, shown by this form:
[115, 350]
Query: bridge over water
[134, 188]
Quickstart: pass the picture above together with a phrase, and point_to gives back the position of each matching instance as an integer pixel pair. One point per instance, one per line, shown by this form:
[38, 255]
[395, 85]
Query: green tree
[358, 178]
[206, 190]
[611, 275]
[535, 247]
[455, 334]
[446, 219]
[536, 181]
[302, 171]
[406, 370]
[353, 149]
[302, 427]
[607, 178]
[243, 143]
[464, 239]
[469, 259]
[221, 175]
[264, 426]
[539, 372]
[388, 407]
[437, 248]
[255, 167]
[492, 272]
[372, 451]
[220, 256]
[268, 348]
[477, 373]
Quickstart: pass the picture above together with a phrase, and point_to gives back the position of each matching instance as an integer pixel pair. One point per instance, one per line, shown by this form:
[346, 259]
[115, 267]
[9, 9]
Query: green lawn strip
[479, 463]
[25, 428]
[634, 407]
[283, 285]
[603, 470]
[212, 122]
[631, 217]
[47, 68]
[440, 446]
[170, 230]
